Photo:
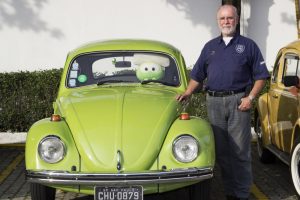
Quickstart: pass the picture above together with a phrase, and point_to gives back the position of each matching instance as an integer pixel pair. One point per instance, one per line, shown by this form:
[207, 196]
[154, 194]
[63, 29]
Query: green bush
[197, 105]
[26, 97]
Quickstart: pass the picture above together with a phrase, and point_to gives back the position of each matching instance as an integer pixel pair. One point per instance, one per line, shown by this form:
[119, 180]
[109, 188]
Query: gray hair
[229, 6]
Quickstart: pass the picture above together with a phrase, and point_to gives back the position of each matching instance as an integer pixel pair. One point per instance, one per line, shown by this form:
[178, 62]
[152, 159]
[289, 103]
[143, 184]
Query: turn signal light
[184, 116]
[55, 118]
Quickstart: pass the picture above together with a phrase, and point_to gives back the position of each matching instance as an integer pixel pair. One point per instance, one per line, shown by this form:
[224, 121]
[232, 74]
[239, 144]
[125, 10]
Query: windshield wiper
[112, 81]
[156, 81]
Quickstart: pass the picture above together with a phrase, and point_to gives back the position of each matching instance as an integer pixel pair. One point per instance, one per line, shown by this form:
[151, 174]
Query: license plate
[119, 193]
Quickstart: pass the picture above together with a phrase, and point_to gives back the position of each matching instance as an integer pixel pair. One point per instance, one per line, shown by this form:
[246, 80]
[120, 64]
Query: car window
[291, 63]
[127, 67]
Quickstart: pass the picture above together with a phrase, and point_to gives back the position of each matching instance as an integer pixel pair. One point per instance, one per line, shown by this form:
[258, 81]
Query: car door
[286, 102]
[273, 98]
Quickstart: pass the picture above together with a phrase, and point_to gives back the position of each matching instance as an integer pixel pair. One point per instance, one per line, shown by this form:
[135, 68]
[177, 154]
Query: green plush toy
[150, 71]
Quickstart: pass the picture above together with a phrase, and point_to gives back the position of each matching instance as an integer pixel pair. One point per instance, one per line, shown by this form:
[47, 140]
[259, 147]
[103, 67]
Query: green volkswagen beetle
[117, 131]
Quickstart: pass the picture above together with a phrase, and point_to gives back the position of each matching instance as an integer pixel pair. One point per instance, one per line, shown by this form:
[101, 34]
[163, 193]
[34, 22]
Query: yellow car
[277, 113]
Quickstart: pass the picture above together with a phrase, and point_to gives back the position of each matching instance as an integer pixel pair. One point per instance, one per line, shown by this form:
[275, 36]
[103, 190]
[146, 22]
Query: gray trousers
[232, 131]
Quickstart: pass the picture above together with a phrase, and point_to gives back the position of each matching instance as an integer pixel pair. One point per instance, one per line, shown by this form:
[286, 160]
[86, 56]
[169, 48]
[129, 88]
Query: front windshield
[127, 67]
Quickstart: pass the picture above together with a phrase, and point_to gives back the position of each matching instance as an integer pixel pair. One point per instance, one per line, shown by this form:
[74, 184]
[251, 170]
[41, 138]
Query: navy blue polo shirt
[231, 67]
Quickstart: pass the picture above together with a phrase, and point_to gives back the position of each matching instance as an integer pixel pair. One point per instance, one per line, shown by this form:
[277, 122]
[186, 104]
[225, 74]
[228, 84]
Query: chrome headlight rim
[58, 139]
[182, 137]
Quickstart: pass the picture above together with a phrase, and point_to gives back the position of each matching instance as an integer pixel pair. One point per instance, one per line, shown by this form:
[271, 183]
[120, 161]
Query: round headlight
[185, 148]
[51, 149]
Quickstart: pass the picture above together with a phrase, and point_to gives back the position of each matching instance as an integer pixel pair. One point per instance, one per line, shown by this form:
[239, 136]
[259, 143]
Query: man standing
[232, 64]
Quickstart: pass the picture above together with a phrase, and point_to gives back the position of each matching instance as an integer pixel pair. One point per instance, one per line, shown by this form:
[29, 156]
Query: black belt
[224, 93]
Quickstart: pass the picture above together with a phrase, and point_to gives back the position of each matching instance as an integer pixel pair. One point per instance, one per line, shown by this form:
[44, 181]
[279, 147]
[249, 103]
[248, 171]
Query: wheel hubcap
[295, 167]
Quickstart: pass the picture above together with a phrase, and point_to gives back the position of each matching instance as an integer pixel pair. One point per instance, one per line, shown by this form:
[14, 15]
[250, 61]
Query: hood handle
[119, 160]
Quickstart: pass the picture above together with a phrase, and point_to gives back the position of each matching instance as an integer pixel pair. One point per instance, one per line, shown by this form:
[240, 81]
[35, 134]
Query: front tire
[265, 156]
[42, 192]
[295, 166]
[198, 191]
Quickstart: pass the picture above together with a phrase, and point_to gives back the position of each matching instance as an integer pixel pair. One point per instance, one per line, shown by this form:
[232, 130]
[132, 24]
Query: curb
[12, 138]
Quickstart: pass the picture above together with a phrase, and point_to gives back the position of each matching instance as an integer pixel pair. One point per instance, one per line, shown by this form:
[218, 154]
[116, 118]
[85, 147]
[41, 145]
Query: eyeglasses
[226, 18]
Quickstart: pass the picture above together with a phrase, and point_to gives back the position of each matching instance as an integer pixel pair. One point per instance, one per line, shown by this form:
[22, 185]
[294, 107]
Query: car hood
[132, 121]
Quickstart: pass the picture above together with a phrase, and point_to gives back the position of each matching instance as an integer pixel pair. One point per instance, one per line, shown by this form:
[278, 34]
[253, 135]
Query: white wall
[271, 23]
[37, 34]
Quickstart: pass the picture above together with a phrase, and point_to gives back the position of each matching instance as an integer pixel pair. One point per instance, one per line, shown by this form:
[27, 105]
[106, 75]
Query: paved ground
[270, 181]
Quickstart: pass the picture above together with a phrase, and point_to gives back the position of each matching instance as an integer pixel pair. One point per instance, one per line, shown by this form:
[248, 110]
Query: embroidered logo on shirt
[240, 48]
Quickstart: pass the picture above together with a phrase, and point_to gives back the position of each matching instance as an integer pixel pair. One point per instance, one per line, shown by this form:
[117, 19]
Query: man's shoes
[229, 197]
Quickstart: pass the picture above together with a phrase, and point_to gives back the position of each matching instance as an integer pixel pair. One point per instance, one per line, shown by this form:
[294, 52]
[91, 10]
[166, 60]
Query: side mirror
[290, 81]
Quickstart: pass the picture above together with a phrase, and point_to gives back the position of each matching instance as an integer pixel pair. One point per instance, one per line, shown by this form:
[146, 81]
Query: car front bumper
[120, 178]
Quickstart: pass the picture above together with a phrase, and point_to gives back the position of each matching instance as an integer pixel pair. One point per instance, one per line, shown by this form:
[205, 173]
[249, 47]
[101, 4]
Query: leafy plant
[26, 97]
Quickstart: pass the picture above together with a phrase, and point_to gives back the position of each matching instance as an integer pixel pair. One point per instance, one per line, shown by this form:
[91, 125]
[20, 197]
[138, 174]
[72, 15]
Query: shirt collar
[235, 38]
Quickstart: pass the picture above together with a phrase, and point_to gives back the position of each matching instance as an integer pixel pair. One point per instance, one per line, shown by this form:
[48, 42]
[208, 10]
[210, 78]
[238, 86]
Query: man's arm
[246, 102]
[192, 86]
[258, 86]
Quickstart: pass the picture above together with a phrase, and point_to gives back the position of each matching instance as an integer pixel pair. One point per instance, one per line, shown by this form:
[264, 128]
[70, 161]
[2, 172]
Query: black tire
[198, 191]
[295, 166]
[265, 156]
[42, 192]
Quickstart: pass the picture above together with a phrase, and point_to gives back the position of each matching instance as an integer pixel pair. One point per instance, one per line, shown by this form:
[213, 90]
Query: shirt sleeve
[199, 71]
[259, 68]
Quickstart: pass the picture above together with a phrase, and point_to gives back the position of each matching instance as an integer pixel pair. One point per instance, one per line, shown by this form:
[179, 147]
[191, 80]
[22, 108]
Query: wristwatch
[251, 97]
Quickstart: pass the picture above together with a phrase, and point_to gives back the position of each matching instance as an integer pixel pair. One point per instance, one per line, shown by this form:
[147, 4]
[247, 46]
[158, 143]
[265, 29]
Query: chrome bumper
[131, 178]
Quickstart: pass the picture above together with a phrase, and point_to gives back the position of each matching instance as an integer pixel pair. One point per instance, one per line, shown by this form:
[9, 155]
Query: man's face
[227, 21]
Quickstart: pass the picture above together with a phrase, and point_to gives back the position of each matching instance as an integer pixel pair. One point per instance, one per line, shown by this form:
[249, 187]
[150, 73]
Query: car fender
[262, 112]
[198, 128]
[44, 128]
